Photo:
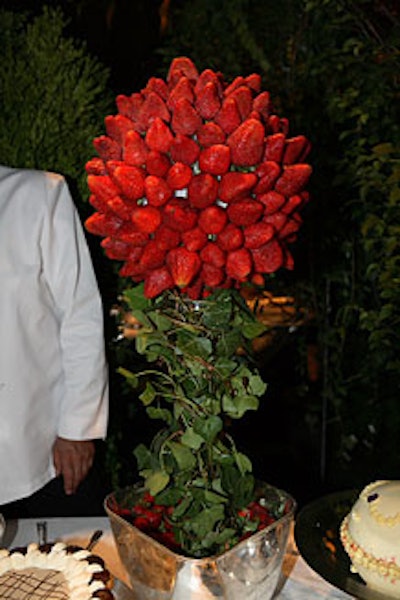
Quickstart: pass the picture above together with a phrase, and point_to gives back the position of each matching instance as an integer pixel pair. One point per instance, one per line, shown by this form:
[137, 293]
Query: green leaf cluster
[199, 373]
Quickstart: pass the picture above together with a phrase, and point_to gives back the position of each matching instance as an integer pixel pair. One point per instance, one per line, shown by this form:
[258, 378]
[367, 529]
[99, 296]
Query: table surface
[299, 581]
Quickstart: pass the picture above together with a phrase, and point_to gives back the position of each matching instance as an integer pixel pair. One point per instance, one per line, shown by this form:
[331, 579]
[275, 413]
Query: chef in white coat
[53, 372]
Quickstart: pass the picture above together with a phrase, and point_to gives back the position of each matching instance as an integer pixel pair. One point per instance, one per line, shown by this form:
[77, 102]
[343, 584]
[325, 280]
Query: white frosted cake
[52, 572]
[370, 534]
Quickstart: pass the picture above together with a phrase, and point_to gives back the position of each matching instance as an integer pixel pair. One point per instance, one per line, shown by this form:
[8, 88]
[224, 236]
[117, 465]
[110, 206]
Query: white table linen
[299, 581]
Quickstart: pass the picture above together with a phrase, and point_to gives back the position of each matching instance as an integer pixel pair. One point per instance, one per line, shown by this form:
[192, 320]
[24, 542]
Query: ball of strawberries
[197, 184]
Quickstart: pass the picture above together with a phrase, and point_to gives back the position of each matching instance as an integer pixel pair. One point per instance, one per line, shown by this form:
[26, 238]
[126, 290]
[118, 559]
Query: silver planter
[248, 571]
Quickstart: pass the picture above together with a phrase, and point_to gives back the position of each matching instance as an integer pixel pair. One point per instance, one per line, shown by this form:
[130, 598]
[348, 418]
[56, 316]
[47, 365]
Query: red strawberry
[236, 83]
[95, 166]
[157, 163]
[181, 67]
[202, 190]
[153, 256]
[239, 264]
[212, 220]
[262, 104]
[121, 208]
[274, 147]
[208, 101]
[153, 107]
[185, 118]
[105, 225]
[179, 216]
[244, 100]
[253, 81]
[194, 239]
[291, 227]
[157, 190]
[159, 136]
[183, 89]
[146, 218]
[183, 265]
[130, 235]
[100, 204]
[215, 160]
[205, 77]
[167, 238]
[235, 185]
[293, 179]
[293, 203]
[230, 238]
[117, 127]
[212, 254]
[284, 125]
[274, 123]
[130, 181]
[102, 186]
[195, 289]
[296, 149]
[211, 275]
[130, 106]
[268, 172]
[268, 258]
[184, 149]
[132, 267]
[245, 212]
[134, 150]
[179, 176]
[228, 117]
[247, 143]
[157, 281]
[278, 220]
[115, 249]
[157, 85]
[272, 202]
[107, 148]
[209, 134]
[258, 234]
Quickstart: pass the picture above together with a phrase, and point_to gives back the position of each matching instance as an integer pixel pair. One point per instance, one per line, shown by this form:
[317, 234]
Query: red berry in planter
[245, 212]
[239, 264]
[159, 136]
[184, 149]
[157, 190]
[179, 216]
[212, 254]
[228, 117]
[208, 101]
[146, 218]
[215, 159]
[212, 220]
[134, 151]
[236, 185]
[210, 134]
[179, 176]
[185, 118]
[130, 181]
[275, 147]
[293, 179]
[183, 89]
[157, 281]
[247, 143]
[230, 238]
[194, 239]
[157, 163]
[202, 190]
[183, 265]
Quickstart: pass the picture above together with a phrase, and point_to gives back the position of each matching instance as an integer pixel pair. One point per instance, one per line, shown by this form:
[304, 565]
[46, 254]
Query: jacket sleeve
[70, 277]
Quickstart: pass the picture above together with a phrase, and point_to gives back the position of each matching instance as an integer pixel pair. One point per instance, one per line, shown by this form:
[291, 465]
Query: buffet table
[299, 582]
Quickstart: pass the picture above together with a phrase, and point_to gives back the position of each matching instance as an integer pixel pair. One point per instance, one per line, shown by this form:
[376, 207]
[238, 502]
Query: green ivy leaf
[148, 395]
[182, 455]
[191, 439]
[208, 428]
[155, 481]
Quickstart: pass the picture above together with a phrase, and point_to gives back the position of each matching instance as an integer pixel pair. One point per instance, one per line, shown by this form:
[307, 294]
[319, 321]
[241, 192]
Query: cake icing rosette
[197, 183]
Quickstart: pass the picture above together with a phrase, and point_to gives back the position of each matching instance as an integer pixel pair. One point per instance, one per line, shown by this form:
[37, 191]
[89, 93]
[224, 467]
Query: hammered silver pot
[248, 571]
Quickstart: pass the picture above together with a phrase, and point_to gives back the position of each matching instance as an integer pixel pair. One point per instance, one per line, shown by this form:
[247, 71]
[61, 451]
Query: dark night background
[331, 417]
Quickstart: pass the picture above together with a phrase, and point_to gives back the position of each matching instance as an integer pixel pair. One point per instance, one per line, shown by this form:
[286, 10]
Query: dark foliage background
[331, 416]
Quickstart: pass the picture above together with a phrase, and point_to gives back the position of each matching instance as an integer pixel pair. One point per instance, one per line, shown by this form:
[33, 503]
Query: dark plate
[317, 538]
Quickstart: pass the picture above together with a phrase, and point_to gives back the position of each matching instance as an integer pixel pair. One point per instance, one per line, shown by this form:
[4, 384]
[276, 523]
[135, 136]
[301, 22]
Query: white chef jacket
[53, 373]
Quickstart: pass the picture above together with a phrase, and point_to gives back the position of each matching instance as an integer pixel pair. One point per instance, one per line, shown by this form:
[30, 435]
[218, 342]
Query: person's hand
[72, 460]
